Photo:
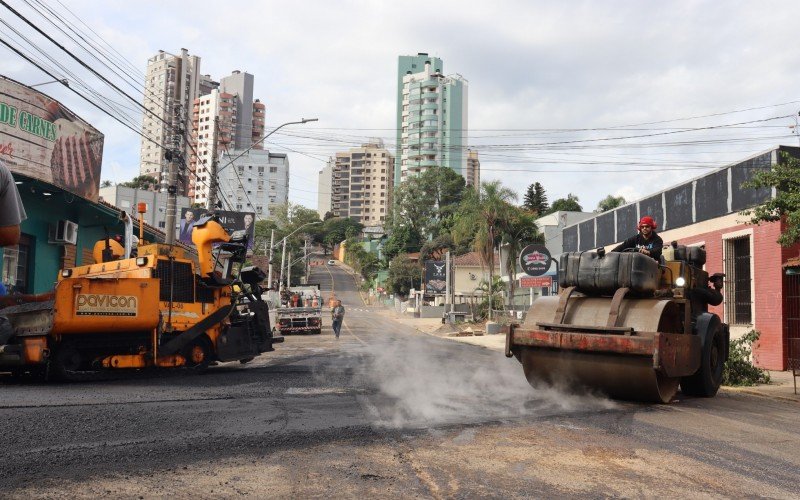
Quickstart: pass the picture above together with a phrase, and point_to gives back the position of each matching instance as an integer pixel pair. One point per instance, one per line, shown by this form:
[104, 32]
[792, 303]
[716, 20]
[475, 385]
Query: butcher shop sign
[534, 260]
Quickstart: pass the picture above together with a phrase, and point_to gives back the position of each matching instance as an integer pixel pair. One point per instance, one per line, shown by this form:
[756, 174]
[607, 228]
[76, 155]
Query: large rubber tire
[198, 354]
[706, 381]
[67, 363]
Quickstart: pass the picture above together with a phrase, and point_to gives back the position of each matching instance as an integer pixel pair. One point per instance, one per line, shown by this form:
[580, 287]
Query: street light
[302, 121]
[63, 81]
[283, 252]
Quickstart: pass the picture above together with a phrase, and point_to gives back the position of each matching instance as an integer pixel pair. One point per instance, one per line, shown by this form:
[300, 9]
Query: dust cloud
[423, 384]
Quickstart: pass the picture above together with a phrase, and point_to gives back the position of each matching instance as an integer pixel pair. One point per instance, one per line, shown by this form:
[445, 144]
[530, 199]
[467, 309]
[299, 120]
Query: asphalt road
[383, 412]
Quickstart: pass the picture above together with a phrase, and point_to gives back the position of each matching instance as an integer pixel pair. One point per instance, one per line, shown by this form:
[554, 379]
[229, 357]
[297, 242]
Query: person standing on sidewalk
[337, 315]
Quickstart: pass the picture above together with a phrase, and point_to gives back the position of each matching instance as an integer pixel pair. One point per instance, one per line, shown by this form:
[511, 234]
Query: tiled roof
[472, 259]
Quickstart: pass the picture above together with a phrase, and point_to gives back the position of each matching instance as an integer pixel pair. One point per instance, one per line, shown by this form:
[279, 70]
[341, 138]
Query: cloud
[530, 65]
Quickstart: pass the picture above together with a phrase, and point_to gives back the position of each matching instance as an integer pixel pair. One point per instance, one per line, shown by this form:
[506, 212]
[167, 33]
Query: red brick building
[707, 211]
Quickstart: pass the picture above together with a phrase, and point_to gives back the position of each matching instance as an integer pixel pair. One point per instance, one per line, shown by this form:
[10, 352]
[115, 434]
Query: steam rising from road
[427, 385]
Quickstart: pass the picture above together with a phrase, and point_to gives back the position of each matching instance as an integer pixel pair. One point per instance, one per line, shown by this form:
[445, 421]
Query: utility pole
[289, 271]
[305, 258]
[271, 244]
[212, 190]
[173, 156]
[447, 281]
[283, 263]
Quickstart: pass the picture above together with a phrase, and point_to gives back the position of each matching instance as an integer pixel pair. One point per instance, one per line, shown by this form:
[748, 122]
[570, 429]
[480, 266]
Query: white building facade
[325, 188]
[257, 182]
[127, 199]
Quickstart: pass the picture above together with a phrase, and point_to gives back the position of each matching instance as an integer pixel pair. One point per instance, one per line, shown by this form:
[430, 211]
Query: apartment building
[172, 83]
[240, 122]
[432, 117]
[362, 183]
[248, 113]
[257, 181]
[217, 106]
[325, 188]
[473, 173]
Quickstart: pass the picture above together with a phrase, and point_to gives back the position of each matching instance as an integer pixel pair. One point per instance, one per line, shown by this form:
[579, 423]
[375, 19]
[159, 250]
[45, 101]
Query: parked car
[331, 262]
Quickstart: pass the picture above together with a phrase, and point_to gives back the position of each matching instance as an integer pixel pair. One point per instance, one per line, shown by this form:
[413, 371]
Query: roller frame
[673, 354]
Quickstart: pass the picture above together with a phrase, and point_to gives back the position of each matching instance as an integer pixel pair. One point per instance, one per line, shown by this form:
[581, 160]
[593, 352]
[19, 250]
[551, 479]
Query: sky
[590, 98]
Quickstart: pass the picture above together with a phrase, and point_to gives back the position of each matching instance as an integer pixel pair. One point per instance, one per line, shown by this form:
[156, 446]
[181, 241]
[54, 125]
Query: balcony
[430, 105]
[430, 95]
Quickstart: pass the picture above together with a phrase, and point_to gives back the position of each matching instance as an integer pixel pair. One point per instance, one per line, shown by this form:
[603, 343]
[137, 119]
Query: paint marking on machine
[91, 304]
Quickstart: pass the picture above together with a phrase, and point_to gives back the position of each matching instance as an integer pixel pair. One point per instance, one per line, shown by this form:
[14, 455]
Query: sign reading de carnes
[534, 260]
[42, 139]
[92, 304]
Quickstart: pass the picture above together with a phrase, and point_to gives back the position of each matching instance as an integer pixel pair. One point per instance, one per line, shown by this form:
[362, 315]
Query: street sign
[534, 260]
[536, 281]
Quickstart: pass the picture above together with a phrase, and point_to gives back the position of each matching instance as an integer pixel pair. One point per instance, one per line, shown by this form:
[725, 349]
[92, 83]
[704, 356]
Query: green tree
[336, 229]
[426, 203]
[106, 183]
[536, 199]
[404, 275]
[785, 178]
[519, 230]
[568, 204]
[436, 248]
[482, 218]
[610, 202]
[403, 239]
[146, 182]
[362, 261]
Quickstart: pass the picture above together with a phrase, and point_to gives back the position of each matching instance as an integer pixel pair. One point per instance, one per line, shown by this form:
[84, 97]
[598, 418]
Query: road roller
[627, 326]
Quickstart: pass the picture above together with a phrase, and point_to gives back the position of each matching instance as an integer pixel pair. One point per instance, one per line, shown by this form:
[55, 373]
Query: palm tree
[481, 220]
[519, 230]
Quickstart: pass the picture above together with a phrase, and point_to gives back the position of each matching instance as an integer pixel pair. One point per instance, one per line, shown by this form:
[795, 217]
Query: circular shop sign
[534, 260]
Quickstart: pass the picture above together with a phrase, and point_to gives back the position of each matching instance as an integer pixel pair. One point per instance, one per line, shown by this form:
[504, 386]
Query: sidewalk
[780, 386]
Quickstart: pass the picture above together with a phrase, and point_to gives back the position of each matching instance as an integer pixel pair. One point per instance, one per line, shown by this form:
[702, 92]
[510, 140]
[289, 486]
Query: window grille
[738, 296]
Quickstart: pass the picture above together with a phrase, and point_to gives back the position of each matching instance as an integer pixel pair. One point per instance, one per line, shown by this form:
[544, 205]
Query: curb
[753, 392]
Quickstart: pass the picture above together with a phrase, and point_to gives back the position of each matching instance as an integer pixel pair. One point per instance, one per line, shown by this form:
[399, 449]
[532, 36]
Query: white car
[331, 262]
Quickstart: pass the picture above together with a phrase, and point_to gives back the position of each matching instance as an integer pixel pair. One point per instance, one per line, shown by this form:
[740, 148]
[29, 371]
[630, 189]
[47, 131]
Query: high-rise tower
[172, 83]
[431, 117]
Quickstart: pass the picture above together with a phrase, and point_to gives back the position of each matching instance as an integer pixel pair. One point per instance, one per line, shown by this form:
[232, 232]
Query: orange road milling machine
[627, 327]
[160, 306]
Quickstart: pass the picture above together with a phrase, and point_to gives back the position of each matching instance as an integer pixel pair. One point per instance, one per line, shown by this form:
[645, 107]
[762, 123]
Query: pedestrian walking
[337, 315]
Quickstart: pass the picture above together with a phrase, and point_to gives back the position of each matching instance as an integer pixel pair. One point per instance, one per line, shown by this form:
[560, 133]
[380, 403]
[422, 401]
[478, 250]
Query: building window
[273, 170]
[738, 296]
[162, 224]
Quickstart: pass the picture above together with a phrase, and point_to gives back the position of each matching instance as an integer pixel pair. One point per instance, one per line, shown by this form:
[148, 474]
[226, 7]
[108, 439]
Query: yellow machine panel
[105, 305]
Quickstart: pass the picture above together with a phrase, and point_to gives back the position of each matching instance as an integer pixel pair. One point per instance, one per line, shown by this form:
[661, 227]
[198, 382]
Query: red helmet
[647, 221]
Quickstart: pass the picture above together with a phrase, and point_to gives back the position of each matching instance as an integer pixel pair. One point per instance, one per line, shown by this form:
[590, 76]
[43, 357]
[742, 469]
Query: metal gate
[791, 307]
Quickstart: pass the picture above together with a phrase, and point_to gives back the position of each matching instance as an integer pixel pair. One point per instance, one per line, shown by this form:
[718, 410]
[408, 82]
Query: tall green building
[431, 117]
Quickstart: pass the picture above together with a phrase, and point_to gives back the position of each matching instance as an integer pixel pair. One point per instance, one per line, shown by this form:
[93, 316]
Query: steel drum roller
[616, 375]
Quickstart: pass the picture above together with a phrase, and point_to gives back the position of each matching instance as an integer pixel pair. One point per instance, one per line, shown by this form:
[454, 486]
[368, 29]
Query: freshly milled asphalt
[385, 411]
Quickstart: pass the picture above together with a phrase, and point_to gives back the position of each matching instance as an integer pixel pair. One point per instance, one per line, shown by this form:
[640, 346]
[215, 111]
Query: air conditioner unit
[63, 233]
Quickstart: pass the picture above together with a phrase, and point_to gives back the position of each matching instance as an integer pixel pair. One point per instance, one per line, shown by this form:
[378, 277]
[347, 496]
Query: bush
[739, 369]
